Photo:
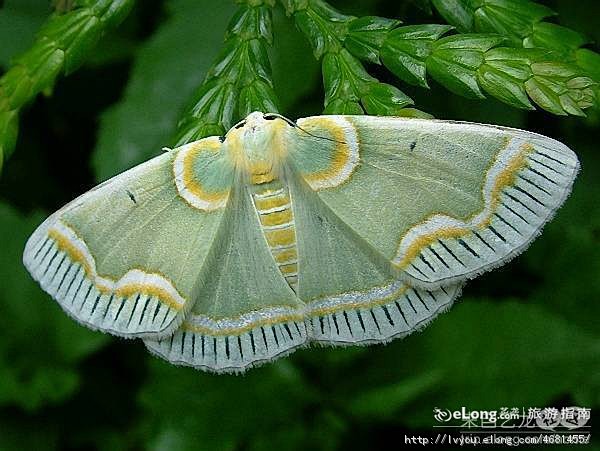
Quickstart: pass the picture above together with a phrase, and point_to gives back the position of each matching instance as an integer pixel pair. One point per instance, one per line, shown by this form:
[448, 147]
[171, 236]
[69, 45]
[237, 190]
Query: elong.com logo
[466, 415]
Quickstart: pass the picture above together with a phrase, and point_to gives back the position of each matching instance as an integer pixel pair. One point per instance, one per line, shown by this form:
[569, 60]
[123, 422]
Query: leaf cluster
[62, 45]
[503, 49]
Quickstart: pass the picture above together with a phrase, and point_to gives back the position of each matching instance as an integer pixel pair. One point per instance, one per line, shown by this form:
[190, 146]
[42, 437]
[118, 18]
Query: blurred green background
[524, 335]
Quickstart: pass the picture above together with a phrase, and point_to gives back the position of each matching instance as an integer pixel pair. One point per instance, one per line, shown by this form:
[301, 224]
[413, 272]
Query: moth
[232, 251]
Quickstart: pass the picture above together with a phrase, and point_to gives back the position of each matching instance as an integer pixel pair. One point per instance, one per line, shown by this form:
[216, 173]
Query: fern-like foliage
[498, 48]
[61, 47]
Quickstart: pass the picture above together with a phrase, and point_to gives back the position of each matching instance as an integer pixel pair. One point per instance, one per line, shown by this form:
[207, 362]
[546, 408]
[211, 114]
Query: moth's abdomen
[273, 205]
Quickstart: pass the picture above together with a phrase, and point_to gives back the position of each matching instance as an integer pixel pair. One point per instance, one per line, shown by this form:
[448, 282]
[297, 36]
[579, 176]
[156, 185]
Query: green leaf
[344, 79]
[559, 88]
[415, 113]
[455, 60]
[382, 99]
[252, 23]
[511, 18]
[61, 45]
[40, 346]
[366, 36]
[554, 37]
[343, 106]
[323, 26]
[258, 96]
[161, 82]
[456, 12]
[503, 75]
[9, 128]
[406, 49]
[589, 61]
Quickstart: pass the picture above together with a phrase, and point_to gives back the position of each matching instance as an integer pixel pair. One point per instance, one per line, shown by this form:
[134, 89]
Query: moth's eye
[240, 124]
[269, 117]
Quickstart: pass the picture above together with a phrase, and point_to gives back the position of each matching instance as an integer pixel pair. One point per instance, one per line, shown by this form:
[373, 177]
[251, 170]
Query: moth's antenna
[320, 137]
[270, 116]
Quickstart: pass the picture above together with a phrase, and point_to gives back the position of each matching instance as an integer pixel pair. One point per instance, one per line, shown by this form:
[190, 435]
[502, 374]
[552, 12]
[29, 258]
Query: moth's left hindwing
[125, 257]
[442, 201]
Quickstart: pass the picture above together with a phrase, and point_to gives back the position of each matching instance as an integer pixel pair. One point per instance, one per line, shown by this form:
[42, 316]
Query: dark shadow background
[525, 335]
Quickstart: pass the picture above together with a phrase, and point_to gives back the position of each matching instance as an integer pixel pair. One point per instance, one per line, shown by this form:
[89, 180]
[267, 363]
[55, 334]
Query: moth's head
[256, 143]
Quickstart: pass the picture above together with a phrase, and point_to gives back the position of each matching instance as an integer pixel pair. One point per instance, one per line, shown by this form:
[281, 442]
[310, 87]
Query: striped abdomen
[274, 207]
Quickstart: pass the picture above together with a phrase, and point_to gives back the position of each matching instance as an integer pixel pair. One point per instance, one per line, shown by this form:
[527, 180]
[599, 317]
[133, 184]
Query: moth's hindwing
[352, 294]
[245, 313]
[442, 201]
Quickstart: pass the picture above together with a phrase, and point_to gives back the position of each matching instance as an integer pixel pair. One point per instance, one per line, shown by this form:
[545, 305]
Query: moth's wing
[443, 201]
[124, 257]
[351, 292]
[245, 313]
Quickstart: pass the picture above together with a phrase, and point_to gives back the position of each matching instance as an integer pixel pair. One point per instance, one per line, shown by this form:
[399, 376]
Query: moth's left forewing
[124, 257]
[442, 201]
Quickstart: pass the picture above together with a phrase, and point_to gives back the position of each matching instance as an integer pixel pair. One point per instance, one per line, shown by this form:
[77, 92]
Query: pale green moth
[229, 252]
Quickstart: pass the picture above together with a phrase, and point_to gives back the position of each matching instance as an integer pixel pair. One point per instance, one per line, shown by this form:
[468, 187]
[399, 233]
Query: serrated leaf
[344, 78]
[343, 106]
[499, 84]
[455, 60]
[541, 92]
[512, 18]
[554, 37]
[553, 69]
[111, 12]
[313, 28]
[45, 61]
[454, 77]
[9, 128]
[252, 23]
[258, 96]
[405, 50]
[589, 61]
[478, 42]
[456, 12]
[515, 63]
[366, 36]
[382, 99]
[161, 82]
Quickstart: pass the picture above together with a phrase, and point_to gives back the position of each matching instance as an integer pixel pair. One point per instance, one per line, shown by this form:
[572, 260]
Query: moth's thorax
[256, 146]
